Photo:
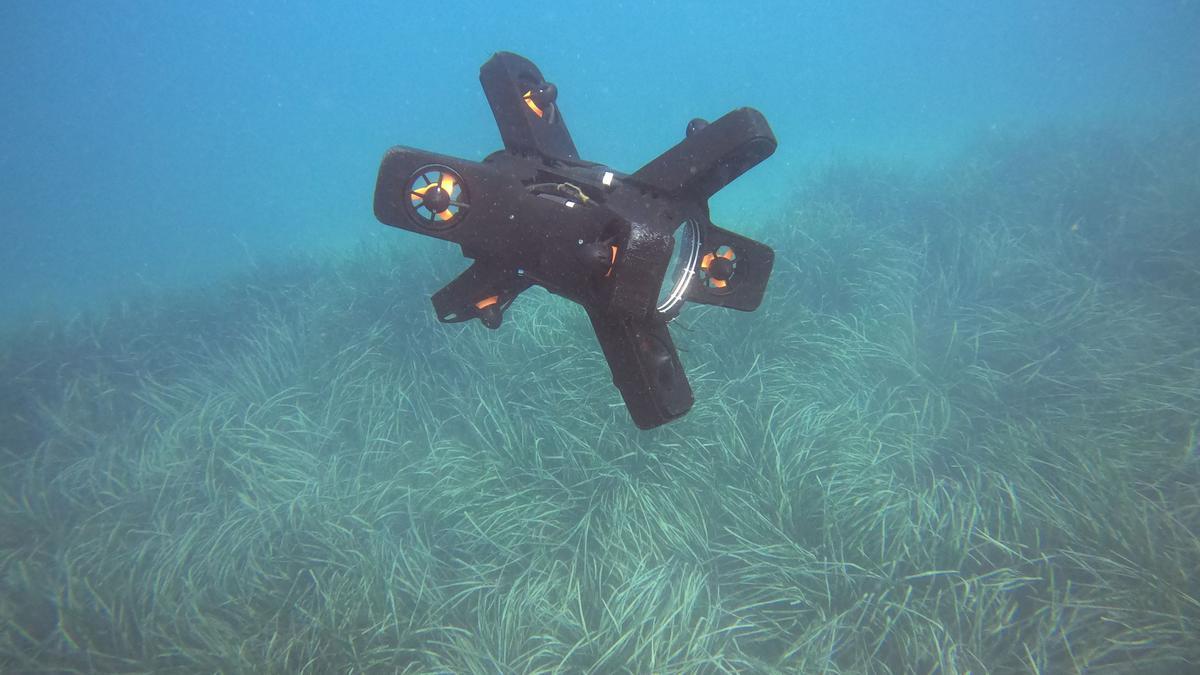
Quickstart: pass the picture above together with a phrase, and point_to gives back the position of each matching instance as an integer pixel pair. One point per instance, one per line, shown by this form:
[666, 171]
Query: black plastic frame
[539, 215]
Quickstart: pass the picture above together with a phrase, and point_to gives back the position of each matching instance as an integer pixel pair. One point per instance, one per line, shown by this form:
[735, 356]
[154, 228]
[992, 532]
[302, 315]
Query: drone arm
[483, 291]
[645, 367]
[524, 106]
[398, 183]
[711, 157]
[744, 291]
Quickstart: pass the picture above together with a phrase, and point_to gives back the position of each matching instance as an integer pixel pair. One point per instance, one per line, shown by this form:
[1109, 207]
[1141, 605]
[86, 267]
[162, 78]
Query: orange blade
[447, 184]
[728, 254]
[418, 193]
[532, 106]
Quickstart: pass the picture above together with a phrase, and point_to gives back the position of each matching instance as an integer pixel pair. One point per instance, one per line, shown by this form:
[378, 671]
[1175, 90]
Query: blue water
[150, 145]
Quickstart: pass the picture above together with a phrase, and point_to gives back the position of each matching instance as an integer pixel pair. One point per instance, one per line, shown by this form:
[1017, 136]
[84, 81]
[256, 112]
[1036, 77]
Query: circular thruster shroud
[437, 197]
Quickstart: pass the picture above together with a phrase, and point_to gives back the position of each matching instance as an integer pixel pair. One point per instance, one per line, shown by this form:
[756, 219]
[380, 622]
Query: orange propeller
[437, 194]
[715, 280]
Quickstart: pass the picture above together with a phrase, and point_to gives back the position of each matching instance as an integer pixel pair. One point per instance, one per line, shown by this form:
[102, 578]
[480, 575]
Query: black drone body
[629, 248]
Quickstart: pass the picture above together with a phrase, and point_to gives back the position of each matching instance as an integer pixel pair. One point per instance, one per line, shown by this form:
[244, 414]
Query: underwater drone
[630, 248]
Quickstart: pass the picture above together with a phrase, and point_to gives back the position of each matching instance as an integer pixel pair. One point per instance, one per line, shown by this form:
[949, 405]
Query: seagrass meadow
[959, 436]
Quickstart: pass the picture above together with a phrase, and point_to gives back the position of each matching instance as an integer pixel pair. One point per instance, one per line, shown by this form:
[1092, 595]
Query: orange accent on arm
[611, 261]
[487, 302]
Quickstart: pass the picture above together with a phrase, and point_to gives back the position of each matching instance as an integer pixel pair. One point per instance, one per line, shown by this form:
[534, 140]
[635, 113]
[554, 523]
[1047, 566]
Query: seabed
[957, 437]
